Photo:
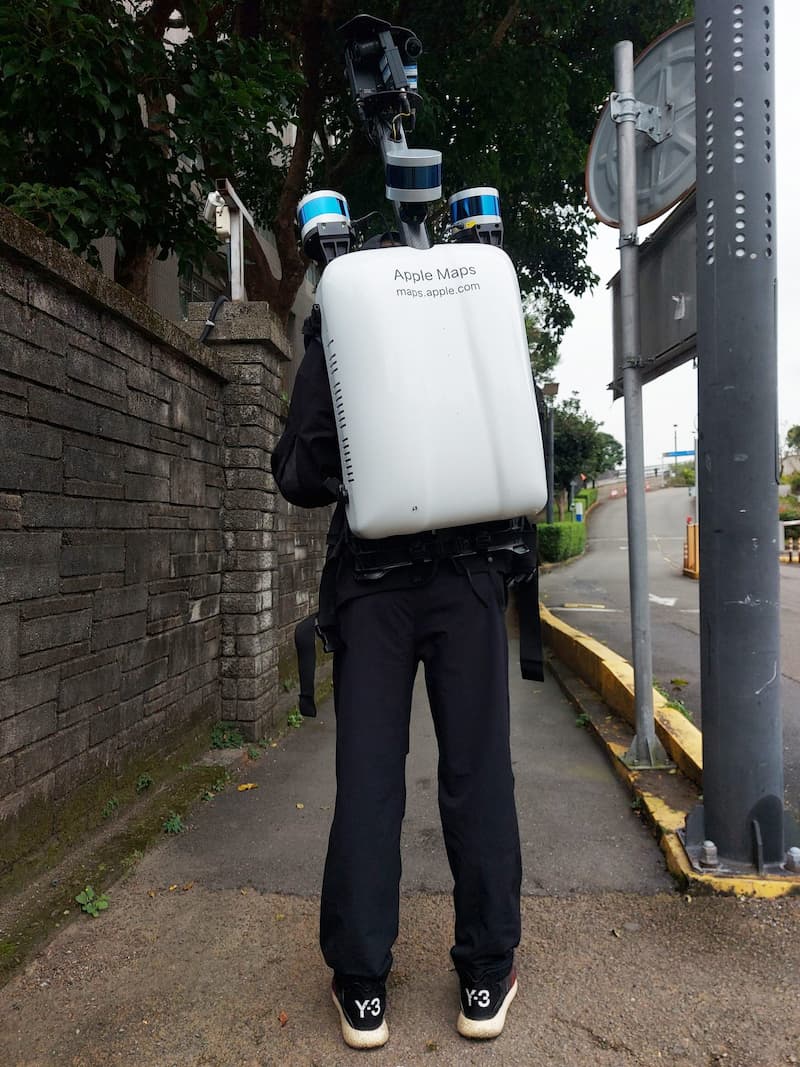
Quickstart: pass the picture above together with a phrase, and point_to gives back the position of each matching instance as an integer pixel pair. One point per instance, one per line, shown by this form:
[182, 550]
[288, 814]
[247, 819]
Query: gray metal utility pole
[550, 391]
[646, 749]
[738, 433]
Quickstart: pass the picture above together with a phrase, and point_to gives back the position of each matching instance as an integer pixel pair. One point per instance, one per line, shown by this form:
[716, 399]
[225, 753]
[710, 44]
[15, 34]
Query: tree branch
[292, 264]
[504, 26]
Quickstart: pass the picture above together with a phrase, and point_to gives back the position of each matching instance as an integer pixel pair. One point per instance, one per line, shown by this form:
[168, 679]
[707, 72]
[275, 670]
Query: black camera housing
[375, 55]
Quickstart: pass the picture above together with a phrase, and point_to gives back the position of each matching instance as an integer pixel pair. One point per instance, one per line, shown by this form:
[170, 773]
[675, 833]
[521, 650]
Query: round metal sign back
[665, 169]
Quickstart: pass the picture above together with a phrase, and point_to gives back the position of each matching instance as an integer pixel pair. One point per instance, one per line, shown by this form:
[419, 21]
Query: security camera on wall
[217, 214]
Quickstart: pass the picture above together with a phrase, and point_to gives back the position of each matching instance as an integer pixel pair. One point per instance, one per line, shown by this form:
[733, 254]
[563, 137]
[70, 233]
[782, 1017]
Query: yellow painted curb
[611, 677]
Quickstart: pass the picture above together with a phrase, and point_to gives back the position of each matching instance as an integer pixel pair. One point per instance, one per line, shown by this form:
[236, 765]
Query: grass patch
[672, 699]
[226, 735]
[143, 782]
[173, 824]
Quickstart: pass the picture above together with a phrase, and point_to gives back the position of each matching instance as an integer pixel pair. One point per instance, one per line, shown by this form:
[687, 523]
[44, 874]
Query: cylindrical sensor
[322, 206]
[414, 176]
[472, 206]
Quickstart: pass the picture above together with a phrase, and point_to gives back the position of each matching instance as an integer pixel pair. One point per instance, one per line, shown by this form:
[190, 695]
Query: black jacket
[307, 470]
[307, 454]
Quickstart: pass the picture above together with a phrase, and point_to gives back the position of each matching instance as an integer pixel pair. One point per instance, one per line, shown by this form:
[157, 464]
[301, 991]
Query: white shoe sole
[361, 1038]
[486, 1028]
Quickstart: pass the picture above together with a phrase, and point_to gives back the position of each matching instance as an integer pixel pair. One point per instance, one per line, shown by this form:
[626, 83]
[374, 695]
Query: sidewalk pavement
[208, 957]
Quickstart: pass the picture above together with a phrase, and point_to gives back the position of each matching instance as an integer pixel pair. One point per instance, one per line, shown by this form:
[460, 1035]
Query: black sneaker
[484, 1006]
[361, 1004]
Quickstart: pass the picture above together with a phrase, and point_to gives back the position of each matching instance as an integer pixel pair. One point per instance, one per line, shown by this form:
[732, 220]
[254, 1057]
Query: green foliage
[511, 94]
[579, 446]
[793, 439]
[217, 786]
[91, 903]
[561, 540]
[109, 807]
[132, 858]
[588, 496]
[574, 439]
[673, 700]
[608, 454]
[794, 485]
[788, 508]
[294, 719]
[89, 144]
[226, 735]
[143, 782]
[542, 346]
[681, 475]
[583, 720]
[173, 824]
[103, 130]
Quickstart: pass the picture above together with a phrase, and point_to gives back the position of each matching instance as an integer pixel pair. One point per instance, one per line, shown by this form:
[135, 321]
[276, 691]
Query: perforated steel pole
[646, 750]
[551, 458]
[738, 431]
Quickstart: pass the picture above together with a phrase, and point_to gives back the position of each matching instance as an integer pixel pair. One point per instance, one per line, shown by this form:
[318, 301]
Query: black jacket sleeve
[307, 454]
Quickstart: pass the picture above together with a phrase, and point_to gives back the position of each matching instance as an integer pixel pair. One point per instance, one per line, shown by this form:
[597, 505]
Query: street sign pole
[737, 382]
[646, 749]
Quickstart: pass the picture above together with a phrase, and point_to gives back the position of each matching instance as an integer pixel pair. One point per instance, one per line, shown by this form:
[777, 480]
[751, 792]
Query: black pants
[455, 625]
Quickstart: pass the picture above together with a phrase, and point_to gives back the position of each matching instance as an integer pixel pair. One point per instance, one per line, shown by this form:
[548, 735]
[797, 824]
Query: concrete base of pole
[696, 846]
[647, 754]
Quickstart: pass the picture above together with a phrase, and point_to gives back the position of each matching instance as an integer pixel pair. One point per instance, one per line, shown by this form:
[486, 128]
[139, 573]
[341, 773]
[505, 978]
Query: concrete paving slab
[578, 831]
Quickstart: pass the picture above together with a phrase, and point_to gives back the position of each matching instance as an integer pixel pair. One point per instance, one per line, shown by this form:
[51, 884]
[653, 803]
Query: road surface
[592, 595]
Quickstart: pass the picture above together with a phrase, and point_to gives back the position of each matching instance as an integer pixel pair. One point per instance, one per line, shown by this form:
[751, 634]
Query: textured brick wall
[301, 546]
[150, 575]
[273, 551]
[111, 542]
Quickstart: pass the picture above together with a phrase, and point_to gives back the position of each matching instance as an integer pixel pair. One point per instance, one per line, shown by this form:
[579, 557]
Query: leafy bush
[561, 540]
[794, 484]
[588, 496]
[788, 508]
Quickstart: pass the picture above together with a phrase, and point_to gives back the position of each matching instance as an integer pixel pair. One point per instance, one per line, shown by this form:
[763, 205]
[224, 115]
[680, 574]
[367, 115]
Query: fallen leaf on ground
[299, 806]
[172, 888]
[151, 893]
[247, 785]
[283, 1018]
[616, 933]
[187, 886]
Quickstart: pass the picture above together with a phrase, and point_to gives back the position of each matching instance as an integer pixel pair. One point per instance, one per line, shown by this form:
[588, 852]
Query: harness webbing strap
[531, 659]
[305, 643]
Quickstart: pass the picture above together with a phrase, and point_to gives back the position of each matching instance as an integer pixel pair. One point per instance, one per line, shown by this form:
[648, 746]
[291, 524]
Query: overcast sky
[586, 352]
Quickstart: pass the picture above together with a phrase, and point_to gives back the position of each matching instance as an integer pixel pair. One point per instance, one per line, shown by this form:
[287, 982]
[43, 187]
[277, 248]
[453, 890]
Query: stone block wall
[150, 575]
[111, 486]
[274, 552]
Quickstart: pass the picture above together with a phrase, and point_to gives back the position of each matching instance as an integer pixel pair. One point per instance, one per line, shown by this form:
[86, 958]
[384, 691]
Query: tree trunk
[132, 270]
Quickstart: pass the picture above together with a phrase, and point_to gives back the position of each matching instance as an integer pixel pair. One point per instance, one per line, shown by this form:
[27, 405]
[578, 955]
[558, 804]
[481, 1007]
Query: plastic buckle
[417, 552]
[483, 541]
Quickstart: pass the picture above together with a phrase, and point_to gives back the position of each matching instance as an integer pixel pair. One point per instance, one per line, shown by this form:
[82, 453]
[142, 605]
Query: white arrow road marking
[584, 607]
[666, 601]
